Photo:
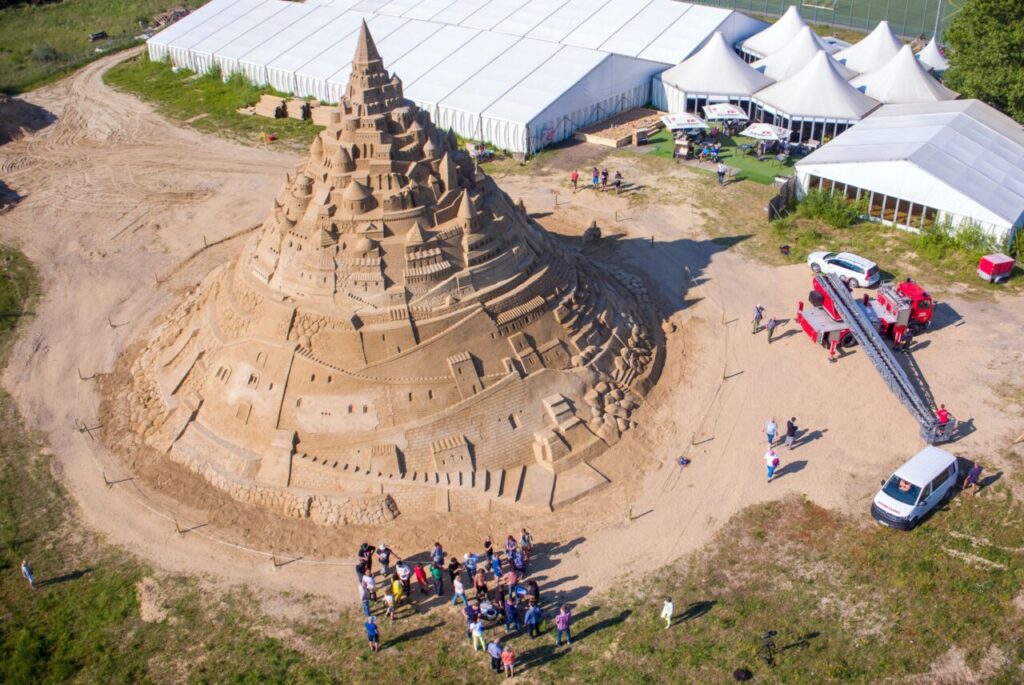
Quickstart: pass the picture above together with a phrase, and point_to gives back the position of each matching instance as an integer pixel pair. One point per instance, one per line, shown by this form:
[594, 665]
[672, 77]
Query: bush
[941, 241]
[835, 210]
[45, 53]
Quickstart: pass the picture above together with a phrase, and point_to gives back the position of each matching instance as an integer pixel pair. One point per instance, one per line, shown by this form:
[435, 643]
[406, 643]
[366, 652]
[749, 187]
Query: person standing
[496, 565]
[791, 430]
[773, 323]
[771, 460]
[476, 629]
[371, 586]
[384, 556]
[604, 179]
[26, 571]
[595, 177]
[472, 613]
[667, 609]
[437, 555]
[494, 651]
[469, 562]
[526, 543]
[366, 557]
[575, 178]
[480, 584]
[532, 620]
[389, 604]
[511, 615]
[618, 181]
[437, 575]
[404, 574]
[453, 569]
[563, 626]
[508, 660]
[364, 599]
[421, 579]
[758, 315]
[533, 591]
[397, 590]
[771, 429]
[971, 481]
[459, 590]
[372, 634]
[489, 546]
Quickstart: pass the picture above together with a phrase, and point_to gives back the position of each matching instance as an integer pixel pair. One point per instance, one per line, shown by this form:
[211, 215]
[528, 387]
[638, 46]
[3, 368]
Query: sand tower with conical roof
[397, 336]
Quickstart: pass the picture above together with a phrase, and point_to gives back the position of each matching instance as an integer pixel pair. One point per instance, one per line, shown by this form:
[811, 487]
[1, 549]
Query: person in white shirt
[771, 429]
[771, 460]
[666, 612]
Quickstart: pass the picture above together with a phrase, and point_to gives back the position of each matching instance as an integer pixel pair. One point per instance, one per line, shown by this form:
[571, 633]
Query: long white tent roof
[798, 52]
[959, 156]
[872, 51]
[716, 70]
[817, 92]
[903, 79]
[456, 58]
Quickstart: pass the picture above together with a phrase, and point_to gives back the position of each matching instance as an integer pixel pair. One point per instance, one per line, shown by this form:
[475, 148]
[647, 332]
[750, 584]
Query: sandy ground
[117, 205]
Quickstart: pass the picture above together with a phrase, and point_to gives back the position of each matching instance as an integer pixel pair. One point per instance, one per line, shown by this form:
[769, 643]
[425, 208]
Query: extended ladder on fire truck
[878, 351]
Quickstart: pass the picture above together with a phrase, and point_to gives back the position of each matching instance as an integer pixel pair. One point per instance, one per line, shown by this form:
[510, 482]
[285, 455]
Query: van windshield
[901, 490]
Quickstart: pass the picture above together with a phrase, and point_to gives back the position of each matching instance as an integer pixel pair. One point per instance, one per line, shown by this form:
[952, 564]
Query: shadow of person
[74, 575]
[804, 437]
[601, 625]
[412, 634]
[695, 610]
[791, 467]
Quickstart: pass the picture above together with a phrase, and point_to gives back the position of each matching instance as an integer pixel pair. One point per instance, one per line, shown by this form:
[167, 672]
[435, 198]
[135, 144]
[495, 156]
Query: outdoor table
[745, 148]
[781, 159]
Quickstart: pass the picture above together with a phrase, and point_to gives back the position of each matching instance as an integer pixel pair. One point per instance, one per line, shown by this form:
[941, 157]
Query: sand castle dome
[451, 343]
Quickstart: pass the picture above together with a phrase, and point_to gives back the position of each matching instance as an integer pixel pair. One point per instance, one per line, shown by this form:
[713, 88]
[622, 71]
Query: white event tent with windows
[956, 160]
[519, 74]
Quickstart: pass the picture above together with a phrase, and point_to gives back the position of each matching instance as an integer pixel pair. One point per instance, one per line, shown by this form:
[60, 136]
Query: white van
[915, 489]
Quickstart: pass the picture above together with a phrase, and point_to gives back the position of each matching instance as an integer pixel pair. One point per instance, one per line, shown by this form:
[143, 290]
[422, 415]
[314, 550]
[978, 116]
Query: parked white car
[917, 487]
[856, 271]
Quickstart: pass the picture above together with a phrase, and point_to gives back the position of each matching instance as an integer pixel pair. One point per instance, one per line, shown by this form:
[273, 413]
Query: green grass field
[908, 18]
[206, 102]
[748, 167]
[41, 42]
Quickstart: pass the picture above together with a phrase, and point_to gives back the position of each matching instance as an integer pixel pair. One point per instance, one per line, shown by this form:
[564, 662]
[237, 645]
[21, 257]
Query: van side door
[925, 501]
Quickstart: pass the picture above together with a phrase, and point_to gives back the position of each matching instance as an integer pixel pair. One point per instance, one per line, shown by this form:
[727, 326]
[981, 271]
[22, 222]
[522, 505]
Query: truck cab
[915, 488]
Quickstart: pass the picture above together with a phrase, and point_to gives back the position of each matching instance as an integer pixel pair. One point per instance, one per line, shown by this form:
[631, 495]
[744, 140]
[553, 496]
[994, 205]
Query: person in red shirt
[421, 578]
[575, 178]
[943, 415]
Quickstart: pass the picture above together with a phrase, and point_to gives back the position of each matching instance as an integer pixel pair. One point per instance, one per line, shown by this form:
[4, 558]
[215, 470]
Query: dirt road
[117, 205]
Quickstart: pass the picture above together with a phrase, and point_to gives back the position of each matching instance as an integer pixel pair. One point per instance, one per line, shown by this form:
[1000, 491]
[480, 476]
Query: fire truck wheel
[848, 340]
[916, 328]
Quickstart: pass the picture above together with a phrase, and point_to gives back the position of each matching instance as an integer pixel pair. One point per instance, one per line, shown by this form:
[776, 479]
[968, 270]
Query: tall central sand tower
[397, 336]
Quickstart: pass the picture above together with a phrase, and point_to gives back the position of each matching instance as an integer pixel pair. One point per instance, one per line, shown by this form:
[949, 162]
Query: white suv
[854, 270]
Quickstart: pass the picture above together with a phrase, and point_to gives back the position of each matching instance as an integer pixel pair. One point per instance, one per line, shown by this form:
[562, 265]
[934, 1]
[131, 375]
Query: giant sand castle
[398, 336]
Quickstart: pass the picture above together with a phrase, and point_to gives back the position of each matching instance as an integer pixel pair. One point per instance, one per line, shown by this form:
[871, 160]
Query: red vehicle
[895, 309]
[995, 267]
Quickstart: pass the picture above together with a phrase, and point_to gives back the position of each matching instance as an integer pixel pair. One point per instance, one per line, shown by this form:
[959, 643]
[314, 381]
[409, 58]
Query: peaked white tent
[714, 74]
[798, 52]
[932, 57]
[872, 51]
[815, 100]
[778, 35]
[903, 79]
[959, 160]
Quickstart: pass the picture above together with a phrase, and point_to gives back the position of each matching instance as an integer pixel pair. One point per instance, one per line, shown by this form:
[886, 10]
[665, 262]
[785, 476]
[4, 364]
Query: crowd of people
[598, 180]
[502, 593]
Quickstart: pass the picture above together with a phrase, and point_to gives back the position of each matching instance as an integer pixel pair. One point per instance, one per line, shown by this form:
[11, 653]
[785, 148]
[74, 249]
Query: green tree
[985, 49]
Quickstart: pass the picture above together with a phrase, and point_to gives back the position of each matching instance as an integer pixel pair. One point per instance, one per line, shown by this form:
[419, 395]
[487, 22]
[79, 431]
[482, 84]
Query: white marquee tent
[715, 74]
[872, 51]
[461, 59]
[903, 79]
[959, 160]
[933, 58]
[778, 36]
[817, 99]
[783, 63]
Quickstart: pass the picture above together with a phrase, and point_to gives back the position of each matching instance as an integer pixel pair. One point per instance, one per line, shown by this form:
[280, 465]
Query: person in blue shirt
[533, 616]
[496, 565]
[372, 633]
[469, 562]
[511, 616]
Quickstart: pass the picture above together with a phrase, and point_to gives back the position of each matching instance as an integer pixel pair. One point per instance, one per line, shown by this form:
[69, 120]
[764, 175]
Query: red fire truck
[896, 308]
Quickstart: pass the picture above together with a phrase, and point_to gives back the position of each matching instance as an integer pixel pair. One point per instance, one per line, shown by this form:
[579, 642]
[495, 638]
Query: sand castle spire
[371, 89]
[366, 49]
